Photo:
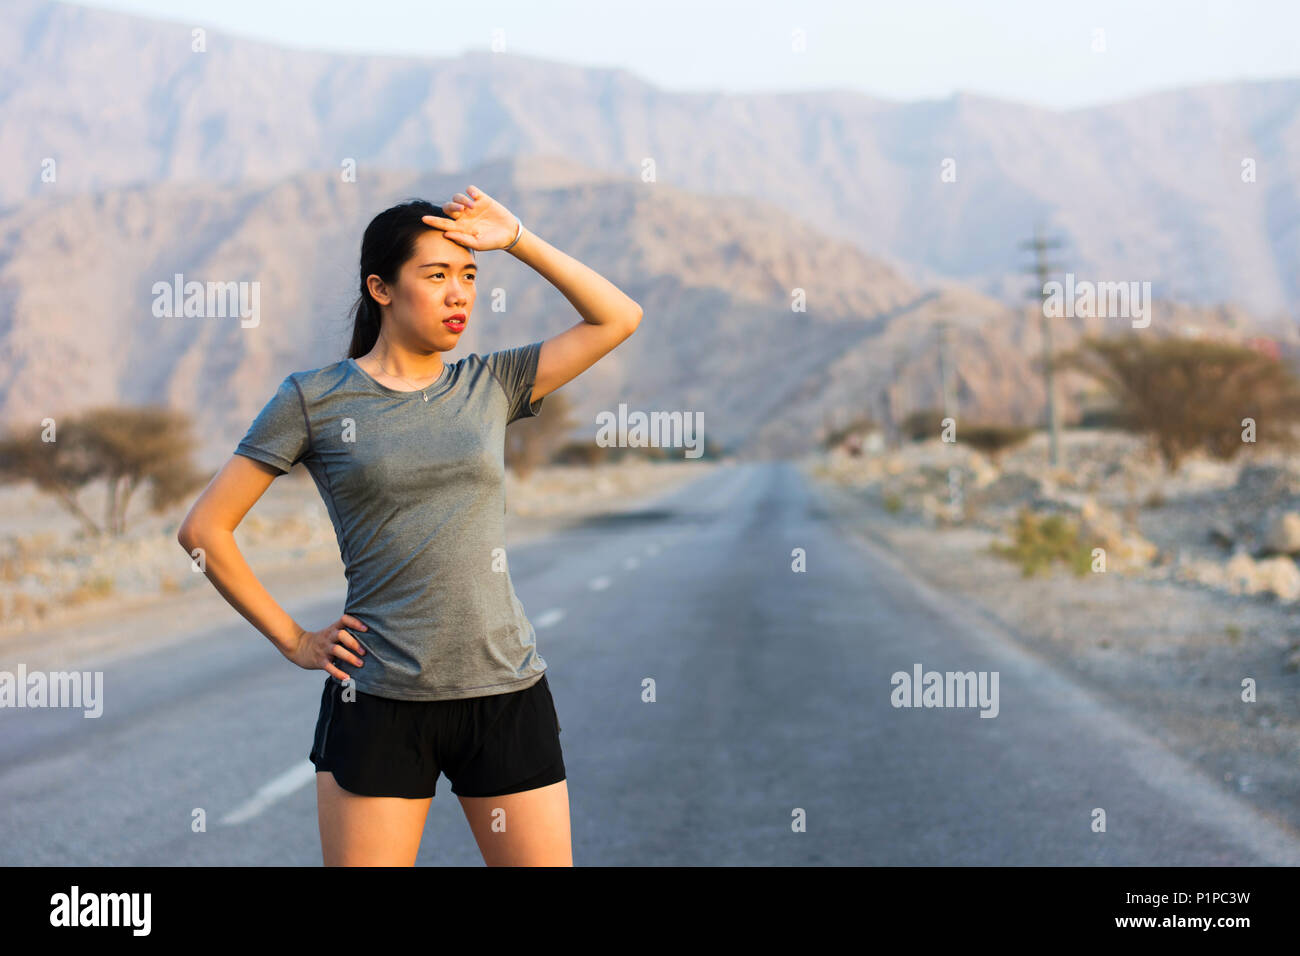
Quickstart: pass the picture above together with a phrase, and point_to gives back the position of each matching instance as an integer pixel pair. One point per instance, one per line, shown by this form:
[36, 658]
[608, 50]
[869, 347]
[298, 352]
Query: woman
[433, 668]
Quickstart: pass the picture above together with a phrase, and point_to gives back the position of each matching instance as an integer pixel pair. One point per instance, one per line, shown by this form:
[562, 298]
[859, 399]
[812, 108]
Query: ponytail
[365, 324]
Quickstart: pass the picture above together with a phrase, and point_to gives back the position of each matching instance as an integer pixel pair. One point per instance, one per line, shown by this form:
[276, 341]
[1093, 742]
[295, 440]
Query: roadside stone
[1279, 576]
[983, 471]
[1283, 534]
[1222, 534]
[1239, 574]
[1007, 491]
[1125, 549]
[1264, 484]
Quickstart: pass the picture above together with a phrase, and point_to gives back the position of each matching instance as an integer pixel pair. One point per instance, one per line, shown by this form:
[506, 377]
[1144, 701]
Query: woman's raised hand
[316, 650]
[479, 222]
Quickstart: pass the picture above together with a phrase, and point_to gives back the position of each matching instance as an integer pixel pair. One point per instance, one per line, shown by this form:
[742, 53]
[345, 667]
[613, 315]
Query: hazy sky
[1037, 51]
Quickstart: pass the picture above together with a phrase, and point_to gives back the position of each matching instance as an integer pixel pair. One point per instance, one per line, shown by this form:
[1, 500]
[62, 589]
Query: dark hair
[388, 242]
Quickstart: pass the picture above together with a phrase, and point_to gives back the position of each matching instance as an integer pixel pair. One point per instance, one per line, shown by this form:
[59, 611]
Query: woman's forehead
[433, 246]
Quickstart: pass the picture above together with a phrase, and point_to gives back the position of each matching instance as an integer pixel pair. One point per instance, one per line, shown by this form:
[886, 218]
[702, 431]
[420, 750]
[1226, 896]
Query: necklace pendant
[426, 397]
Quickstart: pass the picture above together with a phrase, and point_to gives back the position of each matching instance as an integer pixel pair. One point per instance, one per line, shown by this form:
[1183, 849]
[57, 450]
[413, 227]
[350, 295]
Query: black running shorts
[486, 746]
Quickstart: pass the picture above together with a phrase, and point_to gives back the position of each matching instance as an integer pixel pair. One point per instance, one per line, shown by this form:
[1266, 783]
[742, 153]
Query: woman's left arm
[608, 315]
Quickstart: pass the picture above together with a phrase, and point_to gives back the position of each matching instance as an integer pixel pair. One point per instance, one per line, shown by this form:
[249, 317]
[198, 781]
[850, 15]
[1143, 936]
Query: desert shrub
[1102, 417]
[1189, 394]
[124, 447]
[991, 439]
[583, 453]
[923, 424]
[1039, 541]
[862, 425]
[532, 442]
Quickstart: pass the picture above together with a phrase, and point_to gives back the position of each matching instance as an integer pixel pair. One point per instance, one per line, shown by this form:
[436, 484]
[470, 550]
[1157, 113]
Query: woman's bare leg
[367, 831]
[522, 829]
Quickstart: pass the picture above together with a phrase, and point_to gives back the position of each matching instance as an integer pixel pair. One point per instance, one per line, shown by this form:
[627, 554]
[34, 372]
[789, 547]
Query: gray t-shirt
[414, 482]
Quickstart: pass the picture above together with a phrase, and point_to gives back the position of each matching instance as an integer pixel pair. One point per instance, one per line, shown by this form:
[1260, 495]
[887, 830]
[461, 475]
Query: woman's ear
[378, 291]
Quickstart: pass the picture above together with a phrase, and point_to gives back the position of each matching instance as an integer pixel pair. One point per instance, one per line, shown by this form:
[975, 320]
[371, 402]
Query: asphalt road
[773, 703]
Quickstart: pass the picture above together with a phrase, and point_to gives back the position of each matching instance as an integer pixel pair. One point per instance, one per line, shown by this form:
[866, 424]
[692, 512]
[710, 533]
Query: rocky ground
[53, 575]
[1199, 593]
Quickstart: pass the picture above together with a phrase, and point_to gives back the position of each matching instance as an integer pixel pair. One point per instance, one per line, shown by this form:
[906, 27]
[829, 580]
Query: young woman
[433, 668]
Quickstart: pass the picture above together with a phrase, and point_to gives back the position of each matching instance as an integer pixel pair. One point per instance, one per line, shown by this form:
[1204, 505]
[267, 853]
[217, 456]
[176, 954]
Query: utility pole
[955, 499]
[945, 371]
[889, 412]
[1041, 270]
[897, 388]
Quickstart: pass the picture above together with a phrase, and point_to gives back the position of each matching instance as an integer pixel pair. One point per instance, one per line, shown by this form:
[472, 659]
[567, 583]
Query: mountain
[716, 277]
[1149, 189]
[78, 276]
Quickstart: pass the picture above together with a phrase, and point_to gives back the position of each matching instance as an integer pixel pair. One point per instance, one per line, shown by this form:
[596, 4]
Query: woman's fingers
[338, 650]
[337, 673]
[347, 620]
[350, 640]
[462, 199]
[347, 638]
[448, 227]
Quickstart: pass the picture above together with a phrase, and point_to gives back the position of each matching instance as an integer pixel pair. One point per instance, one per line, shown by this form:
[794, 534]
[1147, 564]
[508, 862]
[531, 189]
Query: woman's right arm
[210, 527]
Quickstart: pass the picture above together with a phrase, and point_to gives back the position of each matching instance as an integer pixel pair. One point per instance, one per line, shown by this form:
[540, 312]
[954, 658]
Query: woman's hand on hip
[316, 650]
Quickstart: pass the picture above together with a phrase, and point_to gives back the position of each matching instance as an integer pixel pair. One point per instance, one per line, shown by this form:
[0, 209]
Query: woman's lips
[455, 323]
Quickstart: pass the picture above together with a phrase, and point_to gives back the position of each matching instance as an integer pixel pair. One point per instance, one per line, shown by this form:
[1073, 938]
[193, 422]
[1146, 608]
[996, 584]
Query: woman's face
[436, 283]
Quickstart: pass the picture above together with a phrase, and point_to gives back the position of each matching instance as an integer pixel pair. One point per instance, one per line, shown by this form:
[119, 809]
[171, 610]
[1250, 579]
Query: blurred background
[962, 295]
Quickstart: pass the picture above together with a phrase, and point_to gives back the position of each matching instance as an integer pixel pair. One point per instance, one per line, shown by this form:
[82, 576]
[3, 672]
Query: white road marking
[549, 617]
[298, 776]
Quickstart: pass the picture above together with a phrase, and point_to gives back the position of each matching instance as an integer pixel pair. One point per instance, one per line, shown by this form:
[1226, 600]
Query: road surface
[773, 704]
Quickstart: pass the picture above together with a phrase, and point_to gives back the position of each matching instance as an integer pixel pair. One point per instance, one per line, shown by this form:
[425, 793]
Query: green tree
[123, 447]
[1188, 394]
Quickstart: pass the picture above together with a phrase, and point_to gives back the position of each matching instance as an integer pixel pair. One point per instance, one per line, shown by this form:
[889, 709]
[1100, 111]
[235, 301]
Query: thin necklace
[409, 382]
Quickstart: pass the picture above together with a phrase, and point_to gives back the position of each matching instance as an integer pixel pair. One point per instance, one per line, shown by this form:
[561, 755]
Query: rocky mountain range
[717, 277]
[1196, 190]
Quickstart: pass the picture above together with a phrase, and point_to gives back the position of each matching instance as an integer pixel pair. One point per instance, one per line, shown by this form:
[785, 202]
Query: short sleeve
[516, 370]
[279, 436]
